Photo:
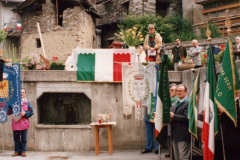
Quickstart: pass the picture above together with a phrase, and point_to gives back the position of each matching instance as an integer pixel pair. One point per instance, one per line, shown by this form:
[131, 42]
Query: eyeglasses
[180, 91]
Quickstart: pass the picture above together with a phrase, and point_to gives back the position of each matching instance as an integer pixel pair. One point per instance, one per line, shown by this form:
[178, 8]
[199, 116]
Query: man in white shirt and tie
[236, 49]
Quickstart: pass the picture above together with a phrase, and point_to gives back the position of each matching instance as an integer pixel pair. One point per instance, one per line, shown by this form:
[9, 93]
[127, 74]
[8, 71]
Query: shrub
[170, 27]
[214, 31]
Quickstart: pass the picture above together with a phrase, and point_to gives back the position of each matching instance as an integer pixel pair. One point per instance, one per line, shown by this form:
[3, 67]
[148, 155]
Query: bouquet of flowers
[132, 36]
[31, 61]
[186, 60]
[56, 61]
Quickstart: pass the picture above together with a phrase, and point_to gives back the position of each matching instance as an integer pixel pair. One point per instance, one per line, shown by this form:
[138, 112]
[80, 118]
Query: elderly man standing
[153, 43]
[195, 53]
[236, 49]
[179, 125]
[178, 52]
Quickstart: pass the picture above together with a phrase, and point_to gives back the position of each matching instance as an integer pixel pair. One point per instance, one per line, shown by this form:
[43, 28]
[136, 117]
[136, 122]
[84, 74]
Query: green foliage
[3, 35]
[214, 31]
[170, 27]
[170, 64]
[11, 54]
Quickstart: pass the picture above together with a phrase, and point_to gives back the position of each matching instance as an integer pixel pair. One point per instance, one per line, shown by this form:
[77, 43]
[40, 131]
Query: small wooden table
[107, 125]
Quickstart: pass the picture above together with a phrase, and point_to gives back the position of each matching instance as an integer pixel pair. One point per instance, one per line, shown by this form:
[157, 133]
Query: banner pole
[224, 157]
[3, 138]
[141, 137]
[171, 145]
[159, 152]
[191, 147]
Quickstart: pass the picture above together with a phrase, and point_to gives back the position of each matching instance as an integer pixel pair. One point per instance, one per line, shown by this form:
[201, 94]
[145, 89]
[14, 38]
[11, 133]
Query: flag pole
[193, 75]
[228, 24]
[141, 137]
[3, 138]
[171, 145]
[224, 157]
[159, 153]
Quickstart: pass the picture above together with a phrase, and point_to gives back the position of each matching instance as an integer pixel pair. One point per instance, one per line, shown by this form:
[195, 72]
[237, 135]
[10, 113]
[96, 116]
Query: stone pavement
[85, 155]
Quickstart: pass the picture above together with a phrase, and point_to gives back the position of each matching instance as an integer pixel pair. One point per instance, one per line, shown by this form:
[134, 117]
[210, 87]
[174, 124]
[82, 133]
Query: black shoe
[167, 155]
[146, 151]
[157, 152]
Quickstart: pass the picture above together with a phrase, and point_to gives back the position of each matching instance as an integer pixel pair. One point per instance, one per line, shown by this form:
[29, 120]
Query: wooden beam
[40, 35]
[221, 8]
[57, 11]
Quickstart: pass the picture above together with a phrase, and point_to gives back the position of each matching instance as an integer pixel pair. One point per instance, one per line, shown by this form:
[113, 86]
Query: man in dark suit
[236, 49]
[178, 52]
[179, 125]
[231, 136]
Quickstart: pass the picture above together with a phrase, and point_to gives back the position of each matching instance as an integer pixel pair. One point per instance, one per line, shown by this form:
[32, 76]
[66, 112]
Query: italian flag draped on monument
[228, 84]
[103, 65]
[192, 108]
[210, 118]
[163, 104]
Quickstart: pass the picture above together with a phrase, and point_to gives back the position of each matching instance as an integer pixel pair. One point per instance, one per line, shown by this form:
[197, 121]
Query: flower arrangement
[31, 61]
[132, 36]
[56, 61]
[186, 60]
[7, 60]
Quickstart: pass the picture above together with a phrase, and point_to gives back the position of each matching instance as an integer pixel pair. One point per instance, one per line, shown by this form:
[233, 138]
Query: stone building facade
[214, 11]
[64, 26]
[114, 11]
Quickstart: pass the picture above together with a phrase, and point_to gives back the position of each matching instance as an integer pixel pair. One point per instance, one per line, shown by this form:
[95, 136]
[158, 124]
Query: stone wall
[78, 30]
[105, 97]
[46, 17]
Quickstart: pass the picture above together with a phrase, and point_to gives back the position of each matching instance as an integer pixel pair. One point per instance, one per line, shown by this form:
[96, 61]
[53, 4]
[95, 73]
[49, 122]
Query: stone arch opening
[64, 109]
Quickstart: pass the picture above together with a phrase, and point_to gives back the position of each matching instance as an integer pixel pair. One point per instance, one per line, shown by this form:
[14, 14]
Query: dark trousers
[20, 140]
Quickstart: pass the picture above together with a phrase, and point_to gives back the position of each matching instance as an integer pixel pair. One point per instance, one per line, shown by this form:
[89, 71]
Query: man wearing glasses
[179, 125]
[178, 52]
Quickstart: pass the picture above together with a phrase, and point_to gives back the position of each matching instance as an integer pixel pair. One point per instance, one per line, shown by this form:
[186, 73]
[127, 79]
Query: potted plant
[186, 63]
[132, 36]
[31, 61]
[56, 64]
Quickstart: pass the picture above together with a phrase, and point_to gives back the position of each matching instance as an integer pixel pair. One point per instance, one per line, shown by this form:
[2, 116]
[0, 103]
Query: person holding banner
[153, 43]
[231, 135]
[179, 125]
[20, 125]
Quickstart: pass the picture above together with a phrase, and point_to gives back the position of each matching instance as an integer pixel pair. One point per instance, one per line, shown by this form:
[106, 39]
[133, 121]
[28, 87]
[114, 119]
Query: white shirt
[141, 57]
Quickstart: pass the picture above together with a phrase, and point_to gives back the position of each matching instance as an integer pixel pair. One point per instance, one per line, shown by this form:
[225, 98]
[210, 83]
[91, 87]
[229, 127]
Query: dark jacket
[179, 124]
[231, 137]
[231, 133]
[182, 52]
[235, 52]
